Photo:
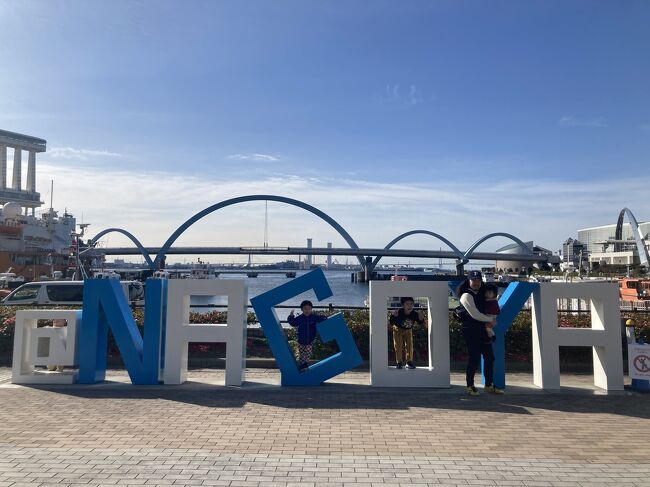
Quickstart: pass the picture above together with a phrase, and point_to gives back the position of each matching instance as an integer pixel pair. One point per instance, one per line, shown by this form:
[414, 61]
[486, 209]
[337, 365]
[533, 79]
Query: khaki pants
[403, 338]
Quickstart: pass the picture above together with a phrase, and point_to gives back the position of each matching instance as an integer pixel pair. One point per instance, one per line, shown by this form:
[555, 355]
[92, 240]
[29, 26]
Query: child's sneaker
[494, 390]
[410, 365]
[471, 390]
[400, 365]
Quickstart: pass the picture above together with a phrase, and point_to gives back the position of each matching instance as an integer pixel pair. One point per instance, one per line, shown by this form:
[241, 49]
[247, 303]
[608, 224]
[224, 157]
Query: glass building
[591, 236]
[601, 248]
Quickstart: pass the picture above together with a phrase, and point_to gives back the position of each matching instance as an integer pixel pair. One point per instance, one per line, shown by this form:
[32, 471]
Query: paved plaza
[343, 433]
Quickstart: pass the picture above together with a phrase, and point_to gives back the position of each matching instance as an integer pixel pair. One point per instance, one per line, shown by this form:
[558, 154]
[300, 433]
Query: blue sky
[458, 117]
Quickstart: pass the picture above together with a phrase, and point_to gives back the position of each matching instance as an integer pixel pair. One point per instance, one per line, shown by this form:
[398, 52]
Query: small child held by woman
[491, 309]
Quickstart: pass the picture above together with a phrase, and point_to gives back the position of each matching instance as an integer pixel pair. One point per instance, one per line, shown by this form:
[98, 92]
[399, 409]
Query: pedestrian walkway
[342, 433]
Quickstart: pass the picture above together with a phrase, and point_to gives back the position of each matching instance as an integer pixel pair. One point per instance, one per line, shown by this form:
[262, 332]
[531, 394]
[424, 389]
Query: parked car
[63, 293]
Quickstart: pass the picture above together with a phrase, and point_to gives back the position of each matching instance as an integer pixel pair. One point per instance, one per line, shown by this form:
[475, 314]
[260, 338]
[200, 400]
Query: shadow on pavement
[354, 396]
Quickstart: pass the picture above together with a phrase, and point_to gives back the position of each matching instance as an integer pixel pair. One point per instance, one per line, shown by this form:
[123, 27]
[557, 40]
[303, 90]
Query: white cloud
[395, 95]
[79, 154]
[153, 205]
[569, 121]
[254, 157]
[415, 96]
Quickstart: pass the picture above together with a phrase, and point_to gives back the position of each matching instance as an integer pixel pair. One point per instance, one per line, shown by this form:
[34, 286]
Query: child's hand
[291, 314]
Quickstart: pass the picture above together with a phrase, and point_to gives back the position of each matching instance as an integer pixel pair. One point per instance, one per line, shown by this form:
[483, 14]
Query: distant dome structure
[11, 210]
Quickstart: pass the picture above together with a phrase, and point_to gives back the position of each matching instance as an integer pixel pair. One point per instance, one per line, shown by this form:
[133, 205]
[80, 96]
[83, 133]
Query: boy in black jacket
[403, 320]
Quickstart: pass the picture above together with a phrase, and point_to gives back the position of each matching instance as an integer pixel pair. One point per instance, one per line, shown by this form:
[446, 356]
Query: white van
[63, 293]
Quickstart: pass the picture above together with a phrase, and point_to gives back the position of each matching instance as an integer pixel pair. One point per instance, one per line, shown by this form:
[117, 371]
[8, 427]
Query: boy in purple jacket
[306, 323]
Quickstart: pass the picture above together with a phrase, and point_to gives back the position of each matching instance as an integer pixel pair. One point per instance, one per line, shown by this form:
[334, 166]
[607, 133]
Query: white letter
[179, 332]
[437, 373]
[604, 336]
[43, 346]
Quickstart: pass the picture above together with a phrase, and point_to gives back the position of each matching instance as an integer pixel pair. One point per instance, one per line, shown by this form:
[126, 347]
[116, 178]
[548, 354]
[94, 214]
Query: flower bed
[518, 338]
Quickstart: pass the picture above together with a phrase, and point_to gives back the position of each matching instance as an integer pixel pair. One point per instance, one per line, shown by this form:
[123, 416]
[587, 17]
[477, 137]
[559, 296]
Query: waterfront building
[30, 245]
[574, 253]
[27, 198]
[507, 266]
[593, 237]
[605, 251]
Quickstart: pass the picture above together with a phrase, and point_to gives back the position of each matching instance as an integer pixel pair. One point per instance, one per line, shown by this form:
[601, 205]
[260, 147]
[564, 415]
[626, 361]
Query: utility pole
[266, 224]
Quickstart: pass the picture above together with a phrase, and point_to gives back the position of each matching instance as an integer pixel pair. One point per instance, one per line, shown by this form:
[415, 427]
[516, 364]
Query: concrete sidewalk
[342, 433]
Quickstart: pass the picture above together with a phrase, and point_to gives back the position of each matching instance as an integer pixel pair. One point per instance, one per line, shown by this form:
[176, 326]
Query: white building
[508, 266]
[607, 251]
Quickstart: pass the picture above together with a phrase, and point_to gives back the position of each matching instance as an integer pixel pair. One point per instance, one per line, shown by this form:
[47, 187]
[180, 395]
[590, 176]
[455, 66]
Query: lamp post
[50, 262]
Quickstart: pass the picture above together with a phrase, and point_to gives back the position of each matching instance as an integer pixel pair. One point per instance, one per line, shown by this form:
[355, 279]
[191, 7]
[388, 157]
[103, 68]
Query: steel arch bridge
[389, 245]
[155, 264]
[257, 197]
[485, 238]
[366, 263]
[130, 236]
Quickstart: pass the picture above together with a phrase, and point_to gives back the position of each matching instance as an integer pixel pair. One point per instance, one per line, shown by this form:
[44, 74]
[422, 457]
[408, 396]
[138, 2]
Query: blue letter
[334, 328]
[510, 302]
[105, 306]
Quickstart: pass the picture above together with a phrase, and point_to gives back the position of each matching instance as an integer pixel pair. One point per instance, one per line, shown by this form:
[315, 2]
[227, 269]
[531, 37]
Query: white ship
[31, 245]
[201, 270]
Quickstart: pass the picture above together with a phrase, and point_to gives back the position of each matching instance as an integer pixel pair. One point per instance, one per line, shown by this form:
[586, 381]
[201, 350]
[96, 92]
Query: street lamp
[50, 262]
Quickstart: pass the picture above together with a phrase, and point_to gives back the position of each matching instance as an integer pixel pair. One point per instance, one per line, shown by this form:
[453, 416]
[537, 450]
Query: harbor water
[345, 293]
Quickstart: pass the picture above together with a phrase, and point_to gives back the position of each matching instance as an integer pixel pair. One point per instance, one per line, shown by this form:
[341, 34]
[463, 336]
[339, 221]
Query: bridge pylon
[368, 269]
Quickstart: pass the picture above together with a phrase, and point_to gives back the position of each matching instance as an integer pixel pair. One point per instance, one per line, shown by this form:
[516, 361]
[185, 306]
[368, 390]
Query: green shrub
[518, 339]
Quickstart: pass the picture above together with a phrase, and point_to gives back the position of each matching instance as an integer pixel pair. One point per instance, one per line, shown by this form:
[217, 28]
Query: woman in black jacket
[472, 301]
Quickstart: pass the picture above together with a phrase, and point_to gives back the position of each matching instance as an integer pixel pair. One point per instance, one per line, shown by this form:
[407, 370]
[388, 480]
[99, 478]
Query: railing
[640, 305]
[645, 307]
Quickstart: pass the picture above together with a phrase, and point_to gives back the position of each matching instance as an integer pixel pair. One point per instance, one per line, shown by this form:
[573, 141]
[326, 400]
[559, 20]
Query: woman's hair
[464, 286]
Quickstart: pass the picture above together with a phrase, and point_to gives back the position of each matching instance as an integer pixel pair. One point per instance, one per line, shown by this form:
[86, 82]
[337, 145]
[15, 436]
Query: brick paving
[343, 433]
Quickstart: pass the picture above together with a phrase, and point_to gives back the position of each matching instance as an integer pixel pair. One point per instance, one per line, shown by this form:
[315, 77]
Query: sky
[458, 117]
